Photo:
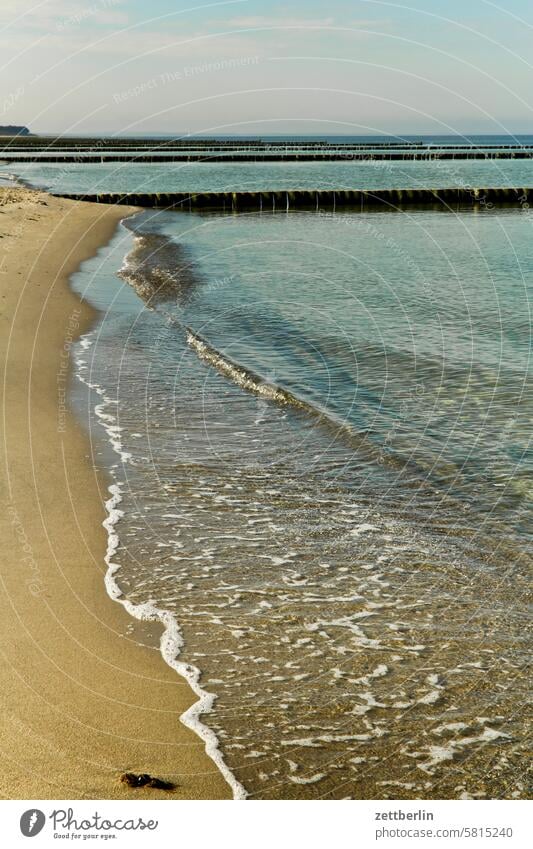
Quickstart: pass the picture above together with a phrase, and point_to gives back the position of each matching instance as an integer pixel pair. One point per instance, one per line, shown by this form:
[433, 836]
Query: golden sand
[82, 700]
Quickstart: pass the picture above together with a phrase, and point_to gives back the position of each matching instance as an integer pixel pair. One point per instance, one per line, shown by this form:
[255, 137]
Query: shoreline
[83, 700]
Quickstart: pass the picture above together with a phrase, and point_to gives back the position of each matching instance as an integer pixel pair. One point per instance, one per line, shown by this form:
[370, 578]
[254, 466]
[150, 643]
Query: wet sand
[82, 701]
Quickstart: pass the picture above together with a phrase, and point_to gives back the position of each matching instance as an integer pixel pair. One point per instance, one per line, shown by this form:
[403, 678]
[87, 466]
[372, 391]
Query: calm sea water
[321, 427]
[235, 176]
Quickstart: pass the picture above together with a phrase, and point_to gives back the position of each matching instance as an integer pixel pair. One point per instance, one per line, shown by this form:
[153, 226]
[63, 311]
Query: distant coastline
[13, 130]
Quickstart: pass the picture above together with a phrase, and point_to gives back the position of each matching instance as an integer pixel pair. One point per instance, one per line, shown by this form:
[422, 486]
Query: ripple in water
[325, 479]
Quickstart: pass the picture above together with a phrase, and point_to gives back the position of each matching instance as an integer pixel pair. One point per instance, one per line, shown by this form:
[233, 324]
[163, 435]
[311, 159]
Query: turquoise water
[344, 310]
[321, 430]
[235, 176]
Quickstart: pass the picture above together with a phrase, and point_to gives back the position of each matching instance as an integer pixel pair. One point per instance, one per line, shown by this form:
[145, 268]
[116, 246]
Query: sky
[242, 67]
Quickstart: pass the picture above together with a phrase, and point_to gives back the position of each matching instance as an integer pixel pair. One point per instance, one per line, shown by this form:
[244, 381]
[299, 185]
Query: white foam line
[171, 644]
[171, 641]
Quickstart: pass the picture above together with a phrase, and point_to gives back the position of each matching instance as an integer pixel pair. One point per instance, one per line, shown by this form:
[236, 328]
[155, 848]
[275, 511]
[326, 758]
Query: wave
[171, 645]
[163, 274]
[240, 374]
[171, 642]
[405, 479]
[358, 440]
[154, 268]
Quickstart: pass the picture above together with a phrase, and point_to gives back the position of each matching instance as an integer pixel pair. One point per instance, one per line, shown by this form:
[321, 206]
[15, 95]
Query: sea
[316, 427]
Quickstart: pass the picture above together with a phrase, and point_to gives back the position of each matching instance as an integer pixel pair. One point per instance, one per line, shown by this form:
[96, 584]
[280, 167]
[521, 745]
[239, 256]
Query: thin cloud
[48, 14]
[263, 21]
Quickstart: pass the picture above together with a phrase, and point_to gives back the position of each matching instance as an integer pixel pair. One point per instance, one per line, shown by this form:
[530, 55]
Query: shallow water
[242, 176]
[322, 427]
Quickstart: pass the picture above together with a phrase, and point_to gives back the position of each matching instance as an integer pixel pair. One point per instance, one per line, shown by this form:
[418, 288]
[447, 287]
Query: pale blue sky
[248, 67]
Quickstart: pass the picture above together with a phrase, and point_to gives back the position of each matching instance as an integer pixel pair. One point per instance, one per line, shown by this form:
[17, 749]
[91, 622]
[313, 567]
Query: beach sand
[81, 699]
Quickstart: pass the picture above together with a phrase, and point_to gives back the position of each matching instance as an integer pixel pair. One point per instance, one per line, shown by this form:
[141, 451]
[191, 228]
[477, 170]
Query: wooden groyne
[451, 198]
[190, 143]
[274, 156]
[99, 145]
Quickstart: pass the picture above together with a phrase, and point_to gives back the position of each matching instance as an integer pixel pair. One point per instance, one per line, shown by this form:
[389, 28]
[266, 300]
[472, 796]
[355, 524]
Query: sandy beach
[82, 700]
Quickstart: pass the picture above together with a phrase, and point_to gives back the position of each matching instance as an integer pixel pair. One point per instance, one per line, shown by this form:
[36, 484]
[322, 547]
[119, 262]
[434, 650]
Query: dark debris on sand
[142, 779]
